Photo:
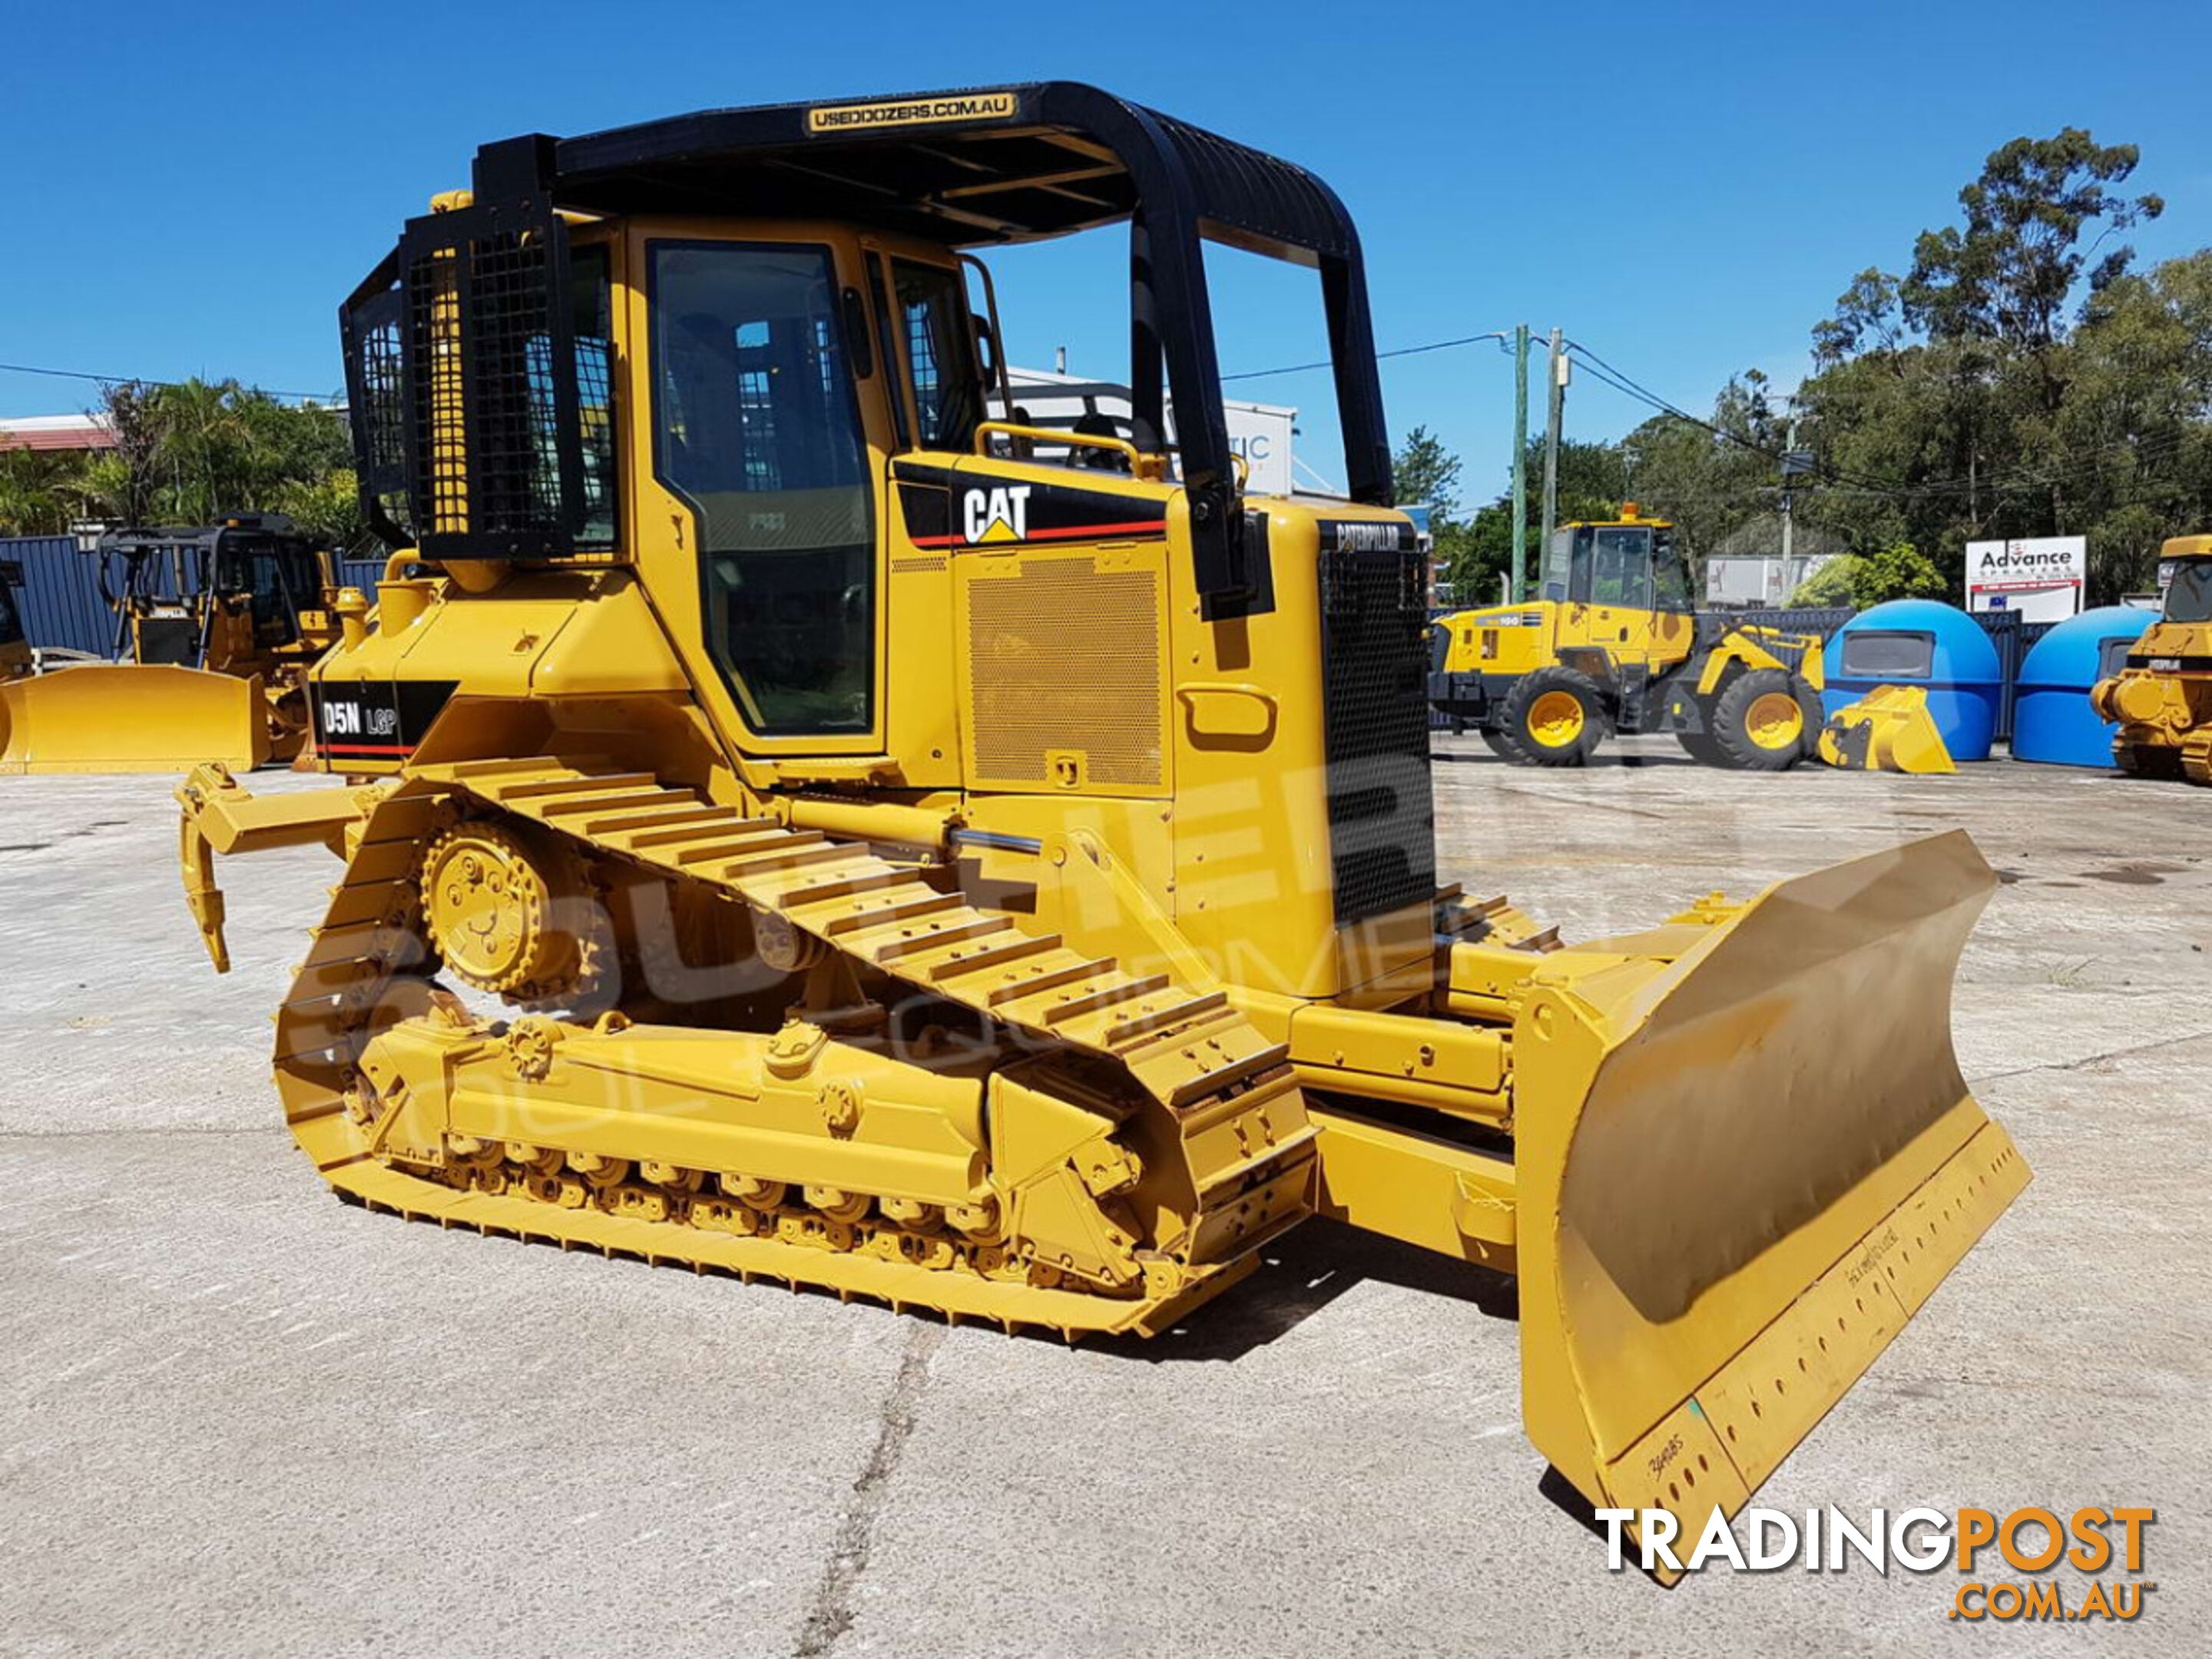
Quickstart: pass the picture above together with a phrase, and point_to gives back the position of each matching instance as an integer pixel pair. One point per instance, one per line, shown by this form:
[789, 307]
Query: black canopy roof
[970, 167]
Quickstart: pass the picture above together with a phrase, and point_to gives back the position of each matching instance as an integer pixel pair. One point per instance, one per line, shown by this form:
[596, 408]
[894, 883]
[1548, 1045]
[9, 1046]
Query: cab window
[1620, 568]
[930, 305]
[757, 428]
[2189, 595]
[1670, 573]
[1551, 582]
[269, 581]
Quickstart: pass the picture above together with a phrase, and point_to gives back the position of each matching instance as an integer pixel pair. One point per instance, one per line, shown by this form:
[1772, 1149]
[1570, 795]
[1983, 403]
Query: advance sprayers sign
[2041, 578]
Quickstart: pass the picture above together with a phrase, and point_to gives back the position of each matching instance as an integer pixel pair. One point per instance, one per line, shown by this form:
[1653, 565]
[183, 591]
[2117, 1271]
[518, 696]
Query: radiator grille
[1376, 711]
[1066, 656]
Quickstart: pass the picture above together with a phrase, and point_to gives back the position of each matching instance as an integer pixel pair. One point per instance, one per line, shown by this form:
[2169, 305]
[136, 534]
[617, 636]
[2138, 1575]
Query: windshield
[2189, 596]
[1620, 567]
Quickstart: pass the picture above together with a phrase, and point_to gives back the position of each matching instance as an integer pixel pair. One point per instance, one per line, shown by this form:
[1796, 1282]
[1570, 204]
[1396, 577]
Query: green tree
[185, 454]
[1425, 472]
[1897, 572]
[2010, 270]
[2020, 379]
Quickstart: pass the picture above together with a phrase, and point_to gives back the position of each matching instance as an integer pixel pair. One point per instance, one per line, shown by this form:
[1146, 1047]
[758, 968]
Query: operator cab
[1630, 563]
[254, 567]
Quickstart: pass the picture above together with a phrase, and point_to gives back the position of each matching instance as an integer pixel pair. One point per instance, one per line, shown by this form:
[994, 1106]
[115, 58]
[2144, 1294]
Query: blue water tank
[2051, 719]
[1922, 642]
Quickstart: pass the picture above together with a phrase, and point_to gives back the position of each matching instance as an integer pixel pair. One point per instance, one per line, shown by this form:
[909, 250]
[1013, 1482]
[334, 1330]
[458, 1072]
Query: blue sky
[192, 188]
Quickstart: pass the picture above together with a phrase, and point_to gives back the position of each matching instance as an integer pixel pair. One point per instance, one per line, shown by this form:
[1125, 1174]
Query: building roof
[57, 432]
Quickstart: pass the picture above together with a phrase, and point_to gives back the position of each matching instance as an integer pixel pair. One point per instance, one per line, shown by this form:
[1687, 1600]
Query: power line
[1498, 335]
[141, 379]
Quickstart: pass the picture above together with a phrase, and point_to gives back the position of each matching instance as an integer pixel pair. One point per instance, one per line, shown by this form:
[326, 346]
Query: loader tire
[1500, 744]
[1758, 722]
[1553, 717]
[1700, 747]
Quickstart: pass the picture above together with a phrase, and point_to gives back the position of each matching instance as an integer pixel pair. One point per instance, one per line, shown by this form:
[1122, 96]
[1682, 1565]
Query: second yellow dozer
[1612, 643]
[215, 628]
[2161, 698]
[787, 833]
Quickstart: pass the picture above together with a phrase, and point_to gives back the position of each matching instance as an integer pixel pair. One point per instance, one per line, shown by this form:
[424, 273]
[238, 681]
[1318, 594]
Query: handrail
[988, 429]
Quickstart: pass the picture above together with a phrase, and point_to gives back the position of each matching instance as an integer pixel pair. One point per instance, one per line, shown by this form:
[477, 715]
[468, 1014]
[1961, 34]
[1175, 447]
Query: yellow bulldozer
[1612, 643]
[791, 829]
[215, 628]
[2162, 695]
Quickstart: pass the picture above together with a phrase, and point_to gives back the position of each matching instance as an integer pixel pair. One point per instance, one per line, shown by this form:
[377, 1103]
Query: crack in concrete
[125, 1132]
[2091, 1060]
[830, 1615]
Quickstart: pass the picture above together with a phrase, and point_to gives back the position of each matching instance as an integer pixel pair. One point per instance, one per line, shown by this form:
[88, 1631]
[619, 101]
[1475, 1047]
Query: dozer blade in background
[132, 717]
[1740, 1180]
[1888, 729]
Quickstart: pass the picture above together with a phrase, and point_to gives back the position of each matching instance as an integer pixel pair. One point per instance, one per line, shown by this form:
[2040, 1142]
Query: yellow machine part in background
[132, 717]
[1613, 643]
[1888, 729]
[2161, 699]
[218, 626]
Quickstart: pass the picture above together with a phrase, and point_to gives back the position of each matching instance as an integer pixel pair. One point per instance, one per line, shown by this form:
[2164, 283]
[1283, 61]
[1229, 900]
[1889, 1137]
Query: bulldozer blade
[1741, 1180]
[1888, 729]
[130, 717]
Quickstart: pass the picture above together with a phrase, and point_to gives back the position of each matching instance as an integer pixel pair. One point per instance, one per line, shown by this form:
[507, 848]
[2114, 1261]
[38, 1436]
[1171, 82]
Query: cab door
[764, 433]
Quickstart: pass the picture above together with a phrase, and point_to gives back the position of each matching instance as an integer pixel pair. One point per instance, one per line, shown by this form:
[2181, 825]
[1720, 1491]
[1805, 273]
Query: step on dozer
[851, 836]
[214, 628]
[1888, 729]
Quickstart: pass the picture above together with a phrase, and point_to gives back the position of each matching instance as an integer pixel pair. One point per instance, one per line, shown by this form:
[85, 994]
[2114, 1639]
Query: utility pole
[1789, 518]
[1519, 462]
[1553, 419]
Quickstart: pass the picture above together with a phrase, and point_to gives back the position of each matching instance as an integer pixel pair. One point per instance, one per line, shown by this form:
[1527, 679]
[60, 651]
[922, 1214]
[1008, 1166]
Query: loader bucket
[1888, 729]
[1739, 1181]
[132, 718]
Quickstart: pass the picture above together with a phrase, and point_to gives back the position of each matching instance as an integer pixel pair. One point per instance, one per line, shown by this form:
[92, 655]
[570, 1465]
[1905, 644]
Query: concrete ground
[239, 1417]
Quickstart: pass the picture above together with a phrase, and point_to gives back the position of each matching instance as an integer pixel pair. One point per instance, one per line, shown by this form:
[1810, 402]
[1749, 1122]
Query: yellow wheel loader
[215, 628]
[790, 831]
[2162, 695]
[1612, 644]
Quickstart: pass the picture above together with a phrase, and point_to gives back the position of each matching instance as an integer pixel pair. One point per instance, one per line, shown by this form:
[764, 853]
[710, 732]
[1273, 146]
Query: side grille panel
[1064, 660]
[1376, 712]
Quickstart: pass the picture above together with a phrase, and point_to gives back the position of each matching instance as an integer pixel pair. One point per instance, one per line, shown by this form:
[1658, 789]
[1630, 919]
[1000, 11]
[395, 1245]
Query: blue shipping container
[60, 596]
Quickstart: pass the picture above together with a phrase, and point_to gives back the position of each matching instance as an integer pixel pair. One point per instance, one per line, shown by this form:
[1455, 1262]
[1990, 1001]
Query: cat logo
[998, 514]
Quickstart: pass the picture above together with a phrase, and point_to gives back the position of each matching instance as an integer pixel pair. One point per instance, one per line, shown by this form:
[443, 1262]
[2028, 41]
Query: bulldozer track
[1185, 1046]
